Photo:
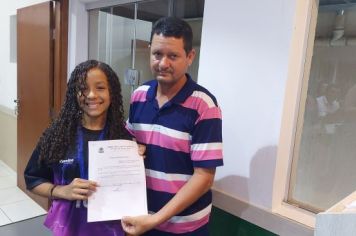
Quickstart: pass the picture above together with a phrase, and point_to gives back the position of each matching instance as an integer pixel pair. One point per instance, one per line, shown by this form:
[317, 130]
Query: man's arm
[200, 182]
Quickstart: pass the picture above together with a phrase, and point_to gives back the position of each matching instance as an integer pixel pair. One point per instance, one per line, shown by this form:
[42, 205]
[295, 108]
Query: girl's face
[95, 99]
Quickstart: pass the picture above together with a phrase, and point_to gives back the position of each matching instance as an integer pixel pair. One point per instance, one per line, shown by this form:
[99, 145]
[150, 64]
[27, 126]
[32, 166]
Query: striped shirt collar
[180, 97]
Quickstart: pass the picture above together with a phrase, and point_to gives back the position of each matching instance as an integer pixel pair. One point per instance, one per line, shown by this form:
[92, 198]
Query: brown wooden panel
[34, 82]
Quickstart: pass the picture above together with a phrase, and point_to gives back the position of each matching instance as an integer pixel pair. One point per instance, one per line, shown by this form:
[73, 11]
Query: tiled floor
[15, 205]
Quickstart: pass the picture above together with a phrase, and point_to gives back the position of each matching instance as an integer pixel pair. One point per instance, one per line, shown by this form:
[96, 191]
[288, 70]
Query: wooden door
[34, 82]
[42, 43]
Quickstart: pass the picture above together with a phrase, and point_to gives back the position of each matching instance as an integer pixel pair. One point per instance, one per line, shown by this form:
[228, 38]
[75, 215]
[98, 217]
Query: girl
[58, 168]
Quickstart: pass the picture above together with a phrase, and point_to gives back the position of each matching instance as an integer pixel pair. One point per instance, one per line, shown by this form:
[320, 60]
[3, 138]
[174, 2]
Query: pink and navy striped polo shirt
[184, 133]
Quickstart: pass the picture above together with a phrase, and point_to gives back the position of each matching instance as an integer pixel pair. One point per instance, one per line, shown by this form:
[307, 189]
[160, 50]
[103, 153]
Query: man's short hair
[174, 27]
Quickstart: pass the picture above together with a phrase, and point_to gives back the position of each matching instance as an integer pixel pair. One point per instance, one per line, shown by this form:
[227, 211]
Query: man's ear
[191, 56]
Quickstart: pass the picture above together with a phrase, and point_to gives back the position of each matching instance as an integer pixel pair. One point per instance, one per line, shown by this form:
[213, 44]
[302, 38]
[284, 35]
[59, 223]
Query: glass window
[324, 155]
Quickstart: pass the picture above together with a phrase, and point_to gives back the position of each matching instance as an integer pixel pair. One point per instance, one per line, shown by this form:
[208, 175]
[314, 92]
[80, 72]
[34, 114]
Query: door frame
[60, 53]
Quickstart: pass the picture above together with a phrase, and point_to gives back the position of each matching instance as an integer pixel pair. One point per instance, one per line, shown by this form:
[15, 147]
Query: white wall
[8, 75]
[244, 63]
[77, 35]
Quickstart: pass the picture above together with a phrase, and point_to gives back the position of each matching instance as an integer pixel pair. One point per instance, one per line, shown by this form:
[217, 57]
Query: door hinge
[17, 106]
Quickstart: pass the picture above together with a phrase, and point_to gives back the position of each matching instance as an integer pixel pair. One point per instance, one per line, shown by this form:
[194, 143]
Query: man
[180, 124]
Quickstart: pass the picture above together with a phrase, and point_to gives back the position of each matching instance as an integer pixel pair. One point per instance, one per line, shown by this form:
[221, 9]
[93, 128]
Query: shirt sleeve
[206, 147]
[37, 172]
[128, 125]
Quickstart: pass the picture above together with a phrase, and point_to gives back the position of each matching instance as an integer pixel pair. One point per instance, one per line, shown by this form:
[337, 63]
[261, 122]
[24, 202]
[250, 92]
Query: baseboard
[261, 217]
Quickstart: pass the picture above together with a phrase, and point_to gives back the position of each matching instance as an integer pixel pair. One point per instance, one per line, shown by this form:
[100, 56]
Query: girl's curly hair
[61, 134]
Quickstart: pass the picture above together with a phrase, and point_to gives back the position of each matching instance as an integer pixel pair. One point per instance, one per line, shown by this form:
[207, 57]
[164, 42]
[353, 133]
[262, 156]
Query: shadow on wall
[262, 169]
[258, 187]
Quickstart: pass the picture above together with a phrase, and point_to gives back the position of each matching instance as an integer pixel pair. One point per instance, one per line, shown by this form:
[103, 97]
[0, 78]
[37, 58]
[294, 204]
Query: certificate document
[120, 173]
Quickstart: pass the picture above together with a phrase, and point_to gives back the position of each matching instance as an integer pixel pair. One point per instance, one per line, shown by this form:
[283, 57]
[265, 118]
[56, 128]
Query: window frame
[301, 51]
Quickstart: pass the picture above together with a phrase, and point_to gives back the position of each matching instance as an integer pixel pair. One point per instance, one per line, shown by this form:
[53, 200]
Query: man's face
[169, 61]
